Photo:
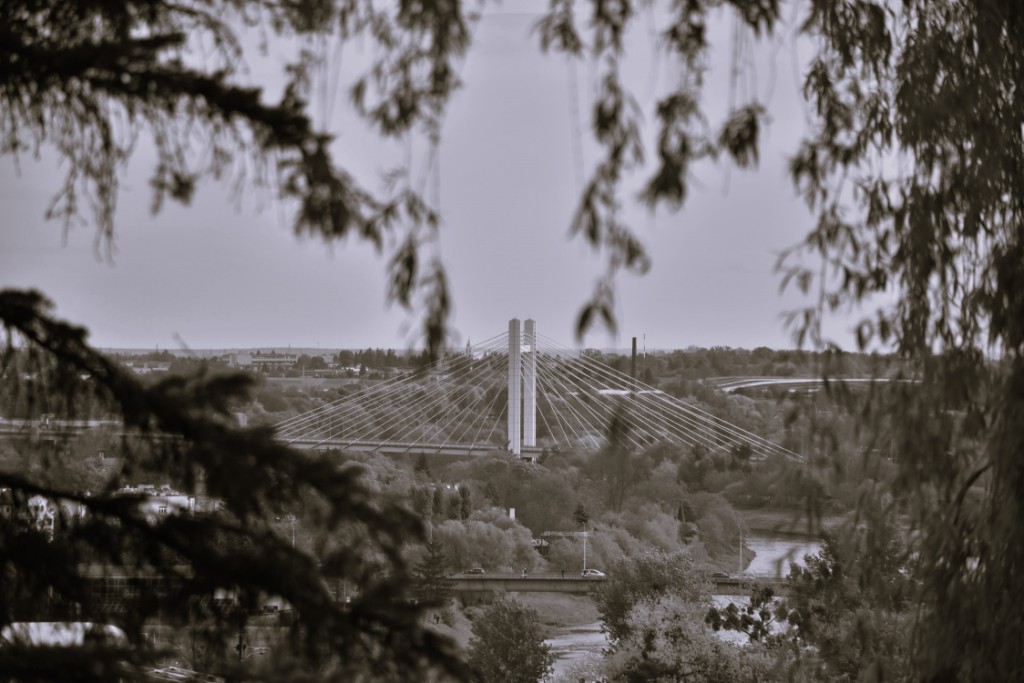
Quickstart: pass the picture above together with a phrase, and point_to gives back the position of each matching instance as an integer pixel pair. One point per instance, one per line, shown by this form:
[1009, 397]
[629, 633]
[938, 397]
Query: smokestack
[632, 367]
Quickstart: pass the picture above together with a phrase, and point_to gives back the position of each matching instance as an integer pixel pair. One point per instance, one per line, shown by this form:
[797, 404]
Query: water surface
[775, 552]
[575, 642]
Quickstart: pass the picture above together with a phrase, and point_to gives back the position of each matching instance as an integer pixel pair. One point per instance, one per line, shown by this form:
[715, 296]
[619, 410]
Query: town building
[263, 360]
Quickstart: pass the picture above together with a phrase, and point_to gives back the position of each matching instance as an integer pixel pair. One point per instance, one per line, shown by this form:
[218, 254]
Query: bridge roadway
[517, 583]
[405, 447]
[554, 583]
[63, 429]
[730, 384]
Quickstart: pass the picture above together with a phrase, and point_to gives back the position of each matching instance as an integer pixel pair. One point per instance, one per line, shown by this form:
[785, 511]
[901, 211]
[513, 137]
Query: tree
[488, 541]
[465, 502]
[617, 464]
[508, 645]
[942, 237]
[664, 640]
[580, 518]
[90, 79]
[307, 362]
[422, 467]
[851, 601]
[432, 576]
[645, 578]
[438, 504]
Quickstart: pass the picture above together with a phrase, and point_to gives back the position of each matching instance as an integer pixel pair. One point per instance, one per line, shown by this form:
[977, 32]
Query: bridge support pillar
[515, 381]
[522, 386]
[530, 384]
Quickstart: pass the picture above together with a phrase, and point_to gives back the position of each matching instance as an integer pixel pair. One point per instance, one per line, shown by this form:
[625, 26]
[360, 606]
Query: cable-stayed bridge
[519, 392]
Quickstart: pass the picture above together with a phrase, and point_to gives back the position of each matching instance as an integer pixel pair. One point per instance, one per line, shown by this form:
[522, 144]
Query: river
[573, 643]
[774, 554]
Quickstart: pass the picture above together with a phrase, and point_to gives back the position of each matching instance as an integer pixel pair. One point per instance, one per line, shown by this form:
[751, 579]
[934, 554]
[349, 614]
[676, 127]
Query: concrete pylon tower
[530, 384]
[515, 382]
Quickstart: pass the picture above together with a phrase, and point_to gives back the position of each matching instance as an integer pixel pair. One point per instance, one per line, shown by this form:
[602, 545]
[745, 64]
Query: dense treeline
[376, 359]
[380, 359]
[689, 363]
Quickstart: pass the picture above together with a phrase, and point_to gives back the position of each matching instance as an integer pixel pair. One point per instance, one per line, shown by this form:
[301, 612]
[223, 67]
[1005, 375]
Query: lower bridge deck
[402, 447]
[556, 583]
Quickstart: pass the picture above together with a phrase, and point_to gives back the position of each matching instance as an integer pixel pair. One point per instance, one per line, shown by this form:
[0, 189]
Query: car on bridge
[474, 571]
[593, 573]
[720, 575]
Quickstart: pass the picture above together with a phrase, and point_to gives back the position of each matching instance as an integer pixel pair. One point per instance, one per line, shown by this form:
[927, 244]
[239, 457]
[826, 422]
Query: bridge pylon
[515, 383]
[522, 385]
[530, 384]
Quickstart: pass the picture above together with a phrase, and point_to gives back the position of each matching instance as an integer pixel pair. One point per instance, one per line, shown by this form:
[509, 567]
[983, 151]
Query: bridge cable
[696, 413]
[403, 415]
[289, 423]
[394, 398]
[583, 395]
[545, 377]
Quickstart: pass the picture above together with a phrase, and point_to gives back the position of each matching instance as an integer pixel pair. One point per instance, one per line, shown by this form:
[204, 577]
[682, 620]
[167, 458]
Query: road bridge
[407, 447]
[555, 583]
[729, 385]
[531, 583]
[518, 392]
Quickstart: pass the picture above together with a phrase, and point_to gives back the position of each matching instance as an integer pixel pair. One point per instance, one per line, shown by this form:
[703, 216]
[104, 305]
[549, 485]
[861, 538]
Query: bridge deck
[555, 583]
[400, 447]
[540, 583]
[62, 429]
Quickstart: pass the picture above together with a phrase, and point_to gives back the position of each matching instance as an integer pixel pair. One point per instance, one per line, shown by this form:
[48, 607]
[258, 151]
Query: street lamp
[584, 550]
[739, 527]
[740, 570]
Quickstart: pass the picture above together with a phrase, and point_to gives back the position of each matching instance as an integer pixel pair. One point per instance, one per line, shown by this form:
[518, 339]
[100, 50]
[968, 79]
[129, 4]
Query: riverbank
[780, 521]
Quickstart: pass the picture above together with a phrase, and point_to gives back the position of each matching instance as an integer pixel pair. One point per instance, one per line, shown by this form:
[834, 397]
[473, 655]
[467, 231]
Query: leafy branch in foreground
[914, 169]
[98, 80]
[182, 429]
[684, 137]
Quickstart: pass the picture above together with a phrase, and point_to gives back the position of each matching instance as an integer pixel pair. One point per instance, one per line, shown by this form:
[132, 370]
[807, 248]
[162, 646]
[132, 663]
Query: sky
[222, 273]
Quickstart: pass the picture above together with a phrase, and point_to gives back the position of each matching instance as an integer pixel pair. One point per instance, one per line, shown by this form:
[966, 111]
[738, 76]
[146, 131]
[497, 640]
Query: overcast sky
[216, 275]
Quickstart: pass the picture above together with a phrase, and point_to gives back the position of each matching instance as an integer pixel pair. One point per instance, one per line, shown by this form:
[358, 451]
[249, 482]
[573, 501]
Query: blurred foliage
[915, 169]
[643, 579]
